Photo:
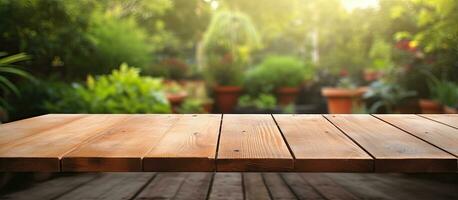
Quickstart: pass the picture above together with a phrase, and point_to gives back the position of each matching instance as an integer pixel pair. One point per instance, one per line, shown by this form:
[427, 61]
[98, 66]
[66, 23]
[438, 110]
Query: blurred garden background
[227, 56]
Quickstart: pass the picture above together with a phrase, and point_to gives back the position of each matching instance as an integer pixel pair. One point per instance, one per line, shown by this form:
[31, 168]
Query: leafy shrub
[122, 91]
[444, 92]
[263, 101]
[387, 95]
[227, 45]
[190, 106]
[275, 72]
[117, 40]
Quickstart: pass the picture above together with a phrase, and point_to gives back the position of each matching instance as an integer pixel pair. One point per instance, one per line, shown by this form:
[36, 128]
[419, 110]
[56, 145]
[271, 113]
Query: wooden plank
[277, 187]
[448, 119]
[122, 148]
[195, 186]
[163, 186]
[393, 149]
[51, 189]
[110, 186]
[252, 143]
[17, 130]
[42, 151]
[254, 186]
[328, 188]
[227, 186]
[300, 187]
[189, 145]
[318, 146]
[433, 132]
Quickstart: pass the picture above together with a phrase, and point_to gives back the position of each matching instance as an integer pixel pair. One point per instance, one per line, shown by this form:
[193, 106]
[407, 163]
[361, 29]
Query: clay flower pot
[450, 110]
[370, 75]
[227, 97]
[176, 99]
[430, 107]
[208, 106]
[287, 95]
[341, 100]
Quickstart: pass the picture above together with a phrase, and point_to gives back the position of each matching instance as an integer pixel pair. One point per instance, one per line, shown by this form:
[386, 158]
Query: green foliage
[227, 44]
[380, 53]
[262, 101]
[117, 40]
[191, 106]
[7, 67]
[123, 91]
[387, 95]
[444, 92]
[275, 72]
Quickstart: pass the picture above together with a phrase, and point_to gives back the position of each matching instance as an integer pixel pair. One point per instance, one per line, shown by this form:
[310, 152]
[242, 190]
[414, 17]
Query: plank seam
[172, 124]
[207, 197]
[267, 187]
[436, 121]
[75, 188]
[243, 185]
[143, 187]
[91, 138]
[181, 185]
[413, 135]
[313, 187]
[354, 141]
[284, 140]
[217, 142]
[288, 186]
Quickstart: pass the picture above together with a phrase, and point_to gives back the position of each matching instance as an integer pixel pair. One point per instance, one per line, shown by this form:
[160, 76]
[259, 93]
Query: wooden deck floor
[218, 186]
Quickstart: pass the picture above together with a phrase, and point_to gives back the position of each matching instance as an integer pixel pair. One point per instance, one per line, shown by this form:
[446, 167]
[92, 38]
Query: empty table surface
[230, 142]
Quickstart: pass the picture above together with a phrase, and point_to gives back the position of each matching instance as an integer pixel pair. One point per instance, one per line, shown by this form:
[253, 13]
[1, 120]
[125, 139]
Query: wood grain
[438, 134]
[227, 186]
[123, 147]
[448, 119]
[254, 186]
[43, 150]
[189, 145]
[393, 149]
[252, 143]
[318, 146]
[17, 130]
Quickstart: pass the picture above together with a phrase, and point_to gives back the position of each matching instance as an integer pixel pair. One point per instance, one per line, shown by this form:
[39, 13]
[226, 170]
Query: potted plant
[175, 94]
[261, 104]
[345, 97]
[444, 96]
[278, 74]
[225, 54]
[390, 97]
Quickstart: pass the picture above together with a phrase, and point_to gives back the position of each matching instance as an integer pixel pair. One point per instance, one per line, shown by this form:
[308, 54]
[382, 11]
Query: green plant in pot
[345, 96]
[389, 96]
[225, 54]
[262, 103]
[278, 74]
[444, 96]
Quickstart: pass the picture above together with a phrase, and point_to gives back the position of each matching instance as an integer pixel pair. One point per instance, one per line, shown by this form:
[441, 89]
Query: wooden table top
[230, 142]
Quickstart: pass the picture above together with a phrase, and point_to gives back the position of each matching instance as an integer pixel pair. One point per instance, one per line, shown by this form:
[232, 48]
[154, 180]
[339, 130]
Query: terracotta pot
[370, 75]
[410, 107]
[208, 107]
[342, 101]
[287, 95]
[227, 97]
[176, 99]
[450, 110]
[430, 107]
